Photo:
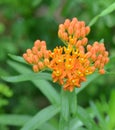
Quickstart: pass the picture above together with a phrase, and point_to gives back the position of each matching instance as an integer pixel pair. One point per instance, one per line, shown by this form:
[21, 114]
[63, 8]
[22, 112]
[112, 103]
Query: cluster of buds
[70, 64]
[73, 32]
[98, 55]
[38, 56]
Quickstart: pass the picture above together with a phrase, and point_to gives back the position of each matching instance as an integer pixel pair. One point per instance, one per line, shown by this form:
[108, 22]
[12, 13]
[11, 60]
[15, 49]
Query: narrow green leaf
[98, 115]
[27, 77]
[41, 117]
[94, 20]
[14, 120]
[21, 68]
[44, 86]
[47, 126]
[17, 58]
[86, 119]
[20, 120]
[112, 110]
[108, 10]
[47, 89]
[75, 123]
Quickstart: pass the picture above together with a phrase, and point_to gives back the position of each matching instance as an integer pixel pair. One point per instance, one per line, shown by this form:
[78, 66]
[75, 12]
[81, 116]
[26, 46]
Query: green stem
[65, 112]
[73, 103]
[68, 109]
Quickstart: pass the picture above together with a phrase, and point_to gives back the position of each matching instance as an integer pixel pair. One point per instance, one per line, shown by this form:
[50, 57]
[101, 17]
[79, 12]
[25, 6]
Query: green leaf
[15, 120]
[27, 77]
[44, 86]
[108, 10]
[17, 58]
[99, 116]
[75, 123]
[112, 110]
[89, 80]
[21, 68]
[86, 119]
[41, 117]
[5, 90]
[47, 126]
[20, 120]
[47, 89]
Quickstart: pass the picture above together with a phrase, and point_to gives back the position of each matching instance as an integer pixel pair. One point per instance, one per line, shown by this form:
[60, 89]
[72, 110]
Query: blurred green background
[23, 22]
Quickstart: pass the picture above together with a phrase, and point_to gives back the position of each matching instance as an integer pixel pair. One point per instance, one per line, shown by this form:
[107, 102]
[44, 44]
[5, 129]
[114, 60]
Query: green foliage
[112, 110]
[16, 120]
[2, 28]
[24, 77]
[103, 13]
[41, 117]
[5, 93]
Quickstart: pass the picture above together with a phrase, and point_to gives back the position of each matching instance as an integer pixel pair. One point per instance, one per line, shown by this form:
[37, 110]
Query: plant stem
[68, 109]
[73, 103]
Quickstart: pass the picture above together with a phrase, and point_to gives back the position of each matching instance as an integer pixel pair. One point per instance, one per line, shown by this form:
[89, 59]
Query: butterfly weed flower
[70, 67]
[70, 64]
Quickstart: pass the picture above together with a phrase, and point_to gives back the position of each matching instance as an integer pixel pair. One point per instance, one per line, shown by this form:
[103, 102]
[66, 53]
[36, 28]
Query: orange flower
[38, 56]
[70, 64]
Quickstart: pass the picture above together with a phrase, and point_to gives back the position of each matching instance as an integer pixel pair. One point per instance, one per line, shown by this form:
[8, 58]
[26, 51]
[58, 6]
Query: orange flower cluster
[70, 64]
[38, 56]
[70, 67]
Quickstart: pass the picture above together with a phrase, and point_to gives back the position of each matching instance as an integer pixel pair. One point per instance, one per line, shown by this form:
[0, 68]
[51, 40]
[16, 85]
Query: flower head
[70, 67]
[71, 63]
